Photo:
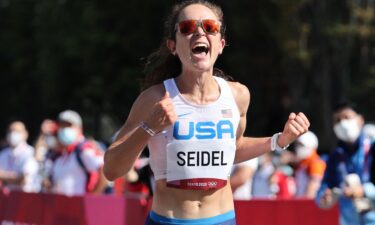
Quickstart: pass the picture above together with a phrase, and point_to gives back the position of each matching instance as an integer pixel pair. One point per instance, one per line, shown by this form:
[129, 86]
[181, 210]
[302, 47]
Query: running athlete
[193, 122]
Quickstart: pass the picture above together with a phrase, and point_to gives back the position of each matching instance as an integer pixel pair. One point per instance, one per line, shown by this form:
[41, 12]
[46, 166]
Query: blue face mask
[67, 135]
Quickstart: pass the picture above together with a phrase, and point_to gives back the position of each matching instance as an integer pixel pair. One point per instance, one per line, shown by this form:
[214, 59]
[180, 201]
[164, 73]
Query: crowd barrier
[17, 208]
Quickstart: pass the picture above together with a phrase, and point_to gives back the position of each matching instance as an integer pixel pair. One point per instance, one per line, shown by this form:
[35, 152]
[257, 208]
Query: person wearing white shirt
[18, 167]
[68, 176]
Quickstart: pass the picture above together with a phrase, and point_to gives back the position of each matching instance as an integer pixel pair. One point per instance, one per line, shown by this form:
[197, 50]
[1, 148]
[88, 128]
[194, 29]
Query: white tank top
[198, 150]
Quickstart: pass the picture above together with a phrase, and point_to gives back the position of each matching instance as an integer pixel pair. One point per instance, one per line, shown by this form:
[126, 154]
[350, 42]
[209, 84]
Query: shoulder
[91, 155]
[238, 88]
[141, 109]
[88, 144]
[317, 162]
[241, 95]
[91, 147]
[146, 100]
[5, 152]
[335, 156]
[30, 149]
[25, 152]
[151, 95]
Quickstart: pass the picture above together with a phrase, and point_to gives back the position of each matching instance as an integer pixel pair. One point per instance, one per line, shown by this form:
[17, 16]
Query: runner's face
[199, 50]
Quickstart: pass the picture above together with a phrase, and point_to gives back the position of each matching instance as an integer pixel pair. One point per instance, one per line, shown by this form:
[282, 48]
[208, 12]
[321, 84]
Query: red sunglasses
[187, 27]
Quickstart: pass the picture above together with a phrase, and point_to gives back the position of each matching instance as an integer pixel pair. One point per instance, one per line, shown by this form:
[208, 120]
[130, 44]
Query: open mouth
[200, 48]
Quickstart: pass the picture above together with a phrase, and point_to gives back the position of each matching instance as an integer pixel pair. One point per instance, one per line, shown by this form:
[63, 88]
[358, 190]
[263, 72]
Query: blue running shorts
[228, 218]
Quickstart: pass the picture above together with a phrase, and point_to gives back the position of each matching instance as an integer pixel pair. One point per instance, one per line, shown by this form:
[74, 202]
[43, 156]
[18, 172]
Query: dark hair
[344, 105]
[162, 64]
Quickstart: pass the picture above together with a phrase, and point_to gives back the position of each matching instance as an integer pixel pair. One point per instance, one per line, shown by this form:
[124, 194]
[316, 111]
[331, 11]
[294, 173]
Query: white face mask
[14, 138]
[303, 152]
[67, 135]
[347, 130]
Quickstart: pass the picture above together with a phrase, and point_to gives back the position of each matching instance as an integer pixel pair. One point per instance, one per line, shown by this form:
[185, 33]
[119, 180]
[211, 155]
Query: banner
[18, 208]
[281, 212]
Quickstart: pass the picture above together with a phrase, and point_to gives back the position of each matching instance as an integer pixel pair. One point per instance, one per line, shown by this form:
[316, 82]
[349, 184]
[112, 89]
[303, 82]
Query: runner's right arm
[155, 108]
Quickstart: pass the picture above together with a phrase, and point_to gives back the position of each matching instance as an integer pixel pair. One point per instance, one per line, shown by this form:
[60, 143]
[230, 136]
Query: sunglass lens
[187, 26]
[211, 26]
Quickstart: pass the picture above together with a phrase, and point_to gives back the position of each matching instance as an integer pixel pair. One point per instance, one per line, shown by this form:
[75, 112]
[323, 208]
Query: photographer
[348, 178]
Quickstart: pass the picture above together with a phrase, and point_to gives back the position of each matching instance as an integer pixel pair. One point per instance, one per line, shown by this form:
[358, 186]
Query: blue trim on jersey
[220, 219]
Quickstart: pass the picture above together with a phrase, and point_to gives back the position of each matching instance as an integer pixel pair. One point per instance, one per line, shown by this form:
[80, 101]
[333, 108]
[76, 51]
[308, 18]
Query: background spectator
[309, 168]
[349, 176]
[47, 149]
[261, 183]
[46, 140]
[241, 179]
[18, 167]
[282, 182]
[77, 170]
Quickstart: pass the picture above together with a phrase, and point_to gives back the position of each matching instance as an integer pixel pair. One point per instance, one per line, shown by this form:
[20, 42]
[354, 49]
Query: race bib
[199, 164]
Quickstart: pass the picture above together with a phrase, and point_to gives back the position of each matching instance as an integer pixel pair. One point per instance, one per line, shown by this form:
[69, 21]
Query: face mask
[14, 138]
[67, 135]
[347, 130]
[50, 141]
[303, 152]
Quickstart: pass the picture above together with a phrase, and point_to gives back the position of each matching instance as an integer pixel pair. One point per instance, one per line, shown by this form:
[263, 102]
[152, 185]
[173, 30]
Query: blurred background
[293, 55]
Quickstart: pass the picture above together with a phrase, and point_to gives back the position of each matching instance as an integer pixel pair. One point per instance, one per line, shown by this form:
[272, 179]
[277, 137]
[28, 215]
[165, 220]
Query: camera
[362, 204]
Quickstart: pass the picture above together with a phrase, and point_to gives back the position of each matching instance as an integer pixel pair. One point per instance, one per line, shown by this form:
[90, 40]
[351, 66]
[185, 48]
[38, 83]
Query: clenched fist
[296, 125]
[162, 114]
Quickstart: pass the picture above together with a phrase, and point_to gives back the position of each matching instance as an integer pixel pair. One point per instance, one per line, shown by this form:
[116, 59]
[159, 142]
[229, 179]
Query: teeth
[200, 45]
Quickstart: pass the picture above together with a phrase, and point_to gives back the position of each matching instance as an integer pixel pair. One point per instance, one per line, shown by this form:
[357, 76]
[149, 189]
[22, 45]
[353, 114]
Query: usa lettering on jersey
[204, 130]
